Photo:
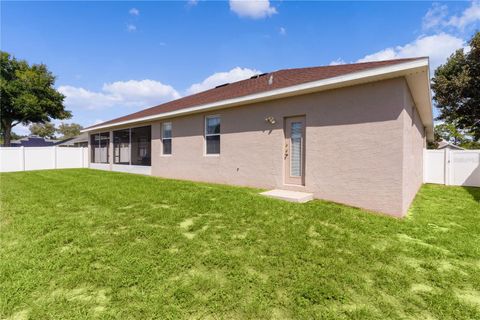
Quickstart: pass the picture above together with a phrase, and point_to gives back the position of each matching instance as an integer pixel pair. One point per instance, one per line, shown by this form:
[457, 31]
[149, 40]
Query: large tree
[27, 95]
[69, 130]
[45, 130]
[456, 85]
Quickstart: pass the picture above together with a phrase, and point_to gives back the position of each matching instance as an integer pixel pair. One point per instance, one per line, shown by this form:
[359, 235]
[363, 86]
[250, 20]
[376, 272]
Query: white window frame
[171, 138]
[205, 135]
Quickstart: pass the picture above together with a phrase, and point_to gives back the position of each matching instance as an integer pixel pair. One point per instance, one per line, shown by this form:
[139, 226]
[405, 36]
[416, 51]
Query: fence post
[447, 166]
[22, 148]
[55, 157]
[424, 163]
[83, 157]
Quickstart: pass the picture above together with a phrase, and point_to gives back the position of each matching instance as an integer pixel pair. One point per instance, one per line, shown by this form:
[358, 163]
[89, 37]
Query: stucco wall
[354, 146]
[363, 146]
[413, 143]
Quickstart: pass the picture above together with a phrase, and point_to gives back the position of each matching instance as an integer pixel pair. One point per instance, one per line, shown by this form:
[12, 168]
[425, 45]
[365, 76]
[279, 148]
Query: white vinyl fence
[452, 167]
[449, 167]
[40, 158]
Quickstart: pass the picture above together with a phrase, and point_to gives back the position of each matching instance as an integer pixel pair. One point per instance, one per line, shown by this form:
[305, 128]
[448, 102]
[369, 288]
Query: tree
[44, 130]
[456, 85]
[27, 95]
[450, 133]
[13, 136]
[69, 130]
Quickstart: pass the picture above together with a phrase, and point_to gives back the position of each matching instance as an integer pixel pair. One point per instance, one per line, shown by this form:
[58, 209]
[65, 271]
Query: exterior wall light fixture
[270, 120]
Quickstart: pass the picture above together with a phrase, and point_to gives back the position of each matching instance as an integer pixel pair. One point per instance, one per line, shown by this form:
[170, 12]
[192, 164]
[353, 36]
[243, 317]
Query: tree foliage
[27, 94]
[456, 85]
[45, 130]
[69, 130]
[449, 132]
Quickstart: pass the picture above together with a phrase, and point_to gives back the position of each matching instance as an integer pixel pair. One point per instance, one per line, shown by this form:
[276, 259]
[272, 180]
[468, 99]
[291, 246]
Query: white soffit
[419, 87]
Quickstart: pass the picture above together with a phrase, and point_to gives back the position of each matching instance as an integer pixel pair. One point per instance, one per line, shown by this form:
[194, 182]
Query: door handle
[286, 150]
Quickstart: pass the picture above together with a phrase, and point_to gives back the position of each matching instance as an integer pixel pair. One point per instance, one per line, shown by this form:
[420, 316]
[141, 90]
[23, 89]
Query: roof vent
[258, 76]
[222, 85]
[270, 80]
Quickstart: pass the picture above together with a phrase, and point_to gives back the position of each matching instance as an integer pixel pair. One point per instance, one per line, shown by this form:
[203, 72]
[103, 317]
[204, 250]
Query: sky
[112, 58]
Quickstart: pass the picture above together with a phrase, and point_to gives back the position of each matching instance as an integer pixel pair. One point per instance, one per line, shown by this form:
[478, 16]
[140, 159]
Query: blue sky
[114, 58]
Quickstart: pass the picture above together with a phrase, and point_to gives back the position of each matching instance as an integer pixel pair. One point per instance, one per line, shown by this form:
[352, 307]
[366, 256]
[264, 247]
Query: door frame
[288, 179]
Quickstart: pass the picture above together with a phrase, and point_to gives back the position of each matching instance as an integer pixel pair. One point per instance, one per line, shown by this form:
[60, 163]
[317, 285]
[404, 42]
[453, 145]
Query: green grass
[90, 244]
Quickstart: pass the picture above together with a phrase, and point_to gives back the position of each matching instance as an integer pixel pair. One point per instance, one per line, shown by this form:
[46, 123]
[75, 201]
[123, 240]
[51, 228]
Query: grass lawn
[90, 244]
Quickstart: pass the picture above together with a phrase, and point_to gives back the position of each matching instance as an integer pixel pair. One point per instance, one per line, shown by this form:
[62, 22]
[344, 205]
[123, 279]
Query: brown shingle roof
[281, 79]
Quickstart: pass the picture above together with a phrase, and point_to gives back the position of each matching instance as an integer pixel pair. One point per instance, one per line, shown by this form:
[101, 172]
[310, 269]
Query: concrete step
[287, 195]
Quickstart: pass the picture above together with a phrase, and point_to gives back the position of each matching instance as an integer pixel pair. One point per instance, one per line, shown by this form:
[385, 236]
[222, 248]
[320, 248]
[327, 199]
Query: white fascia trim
[287, 91]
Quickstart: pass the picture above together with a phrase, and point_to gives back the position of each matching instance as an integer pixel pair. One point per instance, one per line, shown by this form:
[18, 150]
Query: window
[140, 145]
[296, 149]
[99, 143]
[212, 134]
[167, 138]
[121, 146]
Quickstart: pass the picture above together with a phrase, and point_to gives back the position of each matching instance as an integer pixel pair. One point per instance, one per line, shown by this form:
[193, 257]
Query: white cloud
[236, 74]
[254, 9]
[192, 2]
[21, 130]
[438, 47]
[132, 93]
[134, 12]
[437, 17]
[469, 16]
[282, 31]
[385, 54]
[131, 28]
[337, 62]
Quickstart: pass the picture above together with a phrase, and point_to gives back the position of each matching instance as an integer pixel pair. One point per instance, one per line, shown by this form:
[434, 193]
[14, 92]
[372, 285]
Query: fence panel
[70, 158]
[434, 166]
[41, 158]
[38, 158]
[11, 159]
[465, 168]
[452, 167]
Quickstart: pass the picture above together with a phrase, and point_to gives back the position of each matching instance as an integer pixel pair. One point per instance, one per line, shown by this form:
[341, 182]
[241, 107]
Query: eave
[416, 73]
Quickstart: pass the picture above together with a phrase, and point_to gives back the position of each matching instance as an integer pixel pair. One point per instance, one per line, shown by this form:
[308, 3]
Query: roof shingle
[281, 79]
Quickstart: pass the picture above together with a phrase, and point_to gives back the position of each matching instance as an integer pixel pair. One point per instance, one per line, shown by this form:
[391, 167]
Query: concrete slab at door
[287, 195]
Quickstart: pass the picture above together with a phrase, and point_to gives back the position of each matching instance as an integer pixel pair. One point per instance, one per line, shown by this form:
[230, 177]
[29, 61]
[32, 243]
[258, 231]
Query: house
[79, 141]
[351, 133]
[33, 141]
[447, 145]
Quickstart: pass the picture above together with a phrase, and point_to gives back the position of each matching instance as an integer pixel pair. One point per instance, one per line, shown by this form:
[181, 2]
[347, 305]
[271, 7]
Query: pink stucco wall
[413, 144]
[362, 148]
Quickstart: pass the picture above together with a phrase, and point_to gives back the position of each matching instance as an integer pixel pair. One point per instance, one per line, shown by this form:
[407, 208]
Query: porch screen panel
[121, 146]
[99, 144]
[94, 142]
[104, 144]
[141, 145]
